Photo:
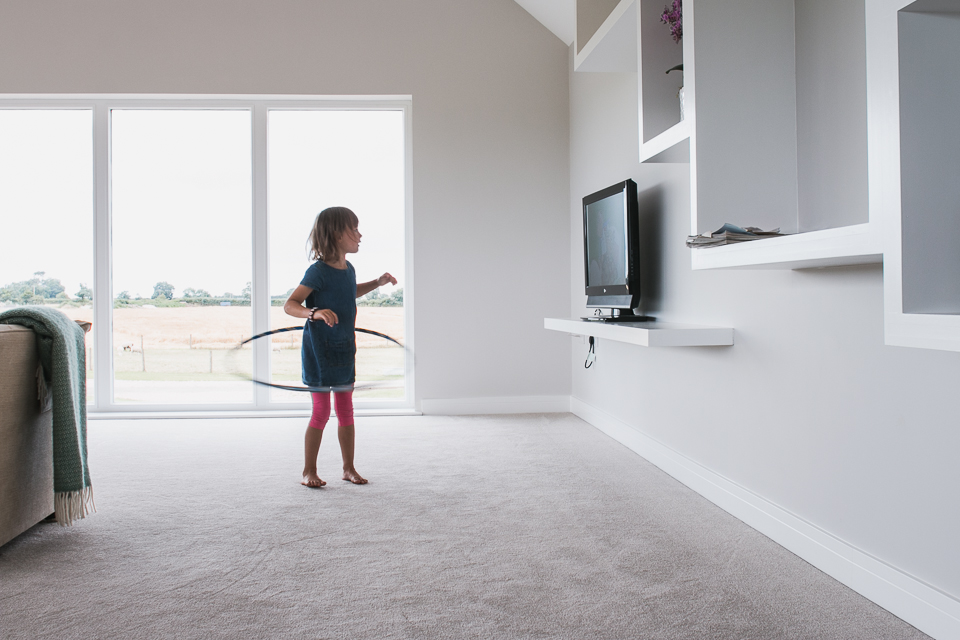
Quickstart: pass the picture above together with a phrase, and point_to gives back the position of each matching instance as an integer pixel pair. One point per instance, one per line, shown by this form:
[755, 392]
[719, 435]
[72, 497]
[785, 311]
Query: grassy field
[194, 344]
[223, 327]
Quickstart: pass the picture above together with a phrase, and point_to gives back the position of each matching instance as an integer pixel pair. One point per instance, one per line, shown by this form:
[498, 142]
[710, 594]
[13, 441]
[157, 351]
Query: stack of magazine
[730, 234]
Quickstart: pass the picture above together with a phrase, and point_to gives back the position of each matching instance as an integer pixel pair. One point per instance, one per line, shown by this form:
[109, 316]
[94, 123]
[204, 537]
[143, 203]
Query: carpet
[524, 526]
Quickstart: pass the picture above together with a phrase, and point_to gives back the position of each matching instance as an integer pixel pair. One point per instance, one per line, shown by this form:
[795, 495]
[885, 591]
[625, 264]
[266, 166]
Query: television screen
[611, 250]
[607, 241]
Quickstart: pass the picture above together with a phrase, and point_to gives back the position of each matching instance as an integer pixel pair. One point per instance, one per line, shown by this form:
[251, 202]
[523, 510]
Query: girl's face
[350, 241]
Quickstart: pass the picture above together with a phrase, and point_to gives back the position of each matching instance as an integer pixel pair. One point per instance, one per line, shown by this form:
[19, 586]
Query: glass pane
[355, 159]
[181, 197]
[46, 203]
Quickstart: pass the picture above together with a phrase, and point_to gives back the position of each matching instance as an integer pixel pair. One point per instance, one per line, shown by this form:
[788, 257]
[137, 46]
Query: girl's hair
[330, 224]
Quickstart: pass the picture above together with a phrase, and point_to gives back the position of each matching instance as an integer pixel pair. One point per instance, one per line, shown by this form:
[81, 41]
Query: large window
[354, 159]
[46, 208]
[181, 185]
[191, 216]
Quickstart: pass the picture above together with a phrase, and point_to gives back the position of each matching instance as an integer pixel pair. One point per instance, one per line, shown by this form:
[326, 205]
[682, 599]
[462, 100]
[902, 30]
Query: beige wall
[490, 139]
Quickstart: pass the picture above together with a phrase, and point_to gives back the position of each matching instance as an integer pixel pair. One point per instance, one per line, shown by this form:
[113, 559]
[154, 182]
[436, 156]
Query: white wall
[809, 410]
[490, 141]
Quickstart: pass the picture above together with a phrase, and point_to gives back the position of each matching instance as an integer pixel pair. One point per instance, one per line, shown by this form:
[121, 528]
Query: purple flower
[674, 18]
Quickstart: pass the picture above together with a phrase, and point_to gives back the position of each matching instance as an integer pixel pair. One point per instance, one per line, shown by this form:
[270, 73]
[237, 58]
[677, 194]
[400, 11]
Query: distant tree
[164, 289]
[84, 293]
[23, 292]
[50, 288]
[16, 292]
[63, 295]
[37, 280]
[227, 294]
[245, 294]
[395, 299]
[123, 295]
[195, 293]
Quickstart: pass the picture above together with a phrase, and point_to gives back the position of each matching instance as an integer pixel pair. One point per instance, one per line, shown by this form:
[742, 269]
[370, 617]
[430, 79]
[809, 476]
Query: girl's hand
[386, 278]
[326, 315]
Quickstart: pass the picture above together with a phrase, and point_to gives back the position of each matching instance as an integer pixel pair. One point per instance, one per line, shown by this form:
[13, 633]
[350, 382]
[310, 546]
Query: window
[354, 158]
[46, 196]
[201, 208]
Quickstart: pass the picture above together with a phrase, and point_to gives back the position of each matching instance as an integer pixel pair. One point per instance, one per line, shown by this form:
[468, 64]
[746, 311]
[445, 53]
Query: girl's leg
[347, 435]
[311, 440]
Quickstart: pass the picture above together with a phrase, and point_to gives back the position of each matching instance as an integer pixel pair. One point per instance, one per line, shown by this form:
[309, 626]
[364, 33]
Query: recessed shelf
[856, 244]
[662, 126]
[778, 132]
[914, 82]
[614, 45]
[645, 334]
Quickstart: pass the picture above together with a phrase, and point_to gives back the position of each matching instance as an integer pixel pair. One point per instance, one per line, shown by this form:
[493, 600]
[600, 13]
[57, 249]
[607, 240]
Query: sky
[46, 196]
[181, 195]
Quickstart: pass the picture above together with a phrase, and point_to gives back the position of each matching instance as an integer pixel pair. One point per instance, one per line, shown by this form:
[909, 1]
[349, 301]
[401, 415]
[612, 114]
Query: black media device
[611, 253]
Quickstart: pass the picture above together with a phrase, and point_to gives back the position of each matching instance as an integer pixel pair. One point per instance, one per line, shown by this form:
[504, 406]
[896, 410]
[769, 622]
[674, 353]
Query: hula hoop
[286, 387]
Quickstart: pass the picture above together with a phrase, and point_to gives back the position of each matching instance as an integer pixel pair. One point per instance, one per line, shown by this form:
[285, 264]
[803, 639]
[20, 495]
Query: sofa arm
[26, 437]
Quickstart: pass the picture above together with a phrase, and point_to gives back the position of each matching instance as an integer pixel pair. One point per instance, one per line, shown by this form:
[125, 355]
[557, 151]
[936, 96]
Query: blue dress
[329, 353]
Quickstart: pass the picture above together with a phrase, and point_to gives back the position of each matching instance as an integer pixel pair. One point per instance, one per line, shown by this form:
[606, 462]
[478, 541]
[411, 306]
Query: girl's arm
[294, 307]
[363, 288]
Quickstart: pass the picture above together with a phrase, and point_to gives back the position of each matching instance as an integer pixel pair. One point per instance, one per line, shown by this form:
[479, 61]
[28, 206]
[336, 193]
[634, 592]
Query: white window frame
[258, 106]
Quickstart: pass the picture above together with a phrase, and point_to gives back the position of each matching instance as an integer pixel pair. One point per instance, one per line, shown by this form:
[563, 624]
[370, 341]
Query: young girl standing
[329, 290]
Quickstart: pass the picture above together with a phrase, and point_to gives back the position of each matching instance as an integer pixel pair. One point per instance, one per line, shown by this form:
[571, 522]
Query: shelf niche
[914, 155]
[779, 127]
[663, 134]
[929, 45]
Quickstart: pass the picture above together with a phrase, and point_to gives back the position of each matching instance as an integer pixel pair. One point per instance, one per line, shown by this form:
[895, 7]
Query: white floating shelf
[856, 244]
[645, 334]
[614, 46]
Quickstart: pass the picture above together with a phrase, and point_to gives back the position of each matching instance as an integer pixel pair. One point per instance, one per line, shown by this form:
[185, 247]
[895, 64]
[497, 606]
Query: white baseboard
[926, 608]
[505, 404]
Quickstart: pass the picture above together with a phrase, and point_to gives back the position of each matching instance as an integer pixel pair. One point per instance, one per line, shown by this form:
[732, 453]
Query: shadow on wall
[650, 214]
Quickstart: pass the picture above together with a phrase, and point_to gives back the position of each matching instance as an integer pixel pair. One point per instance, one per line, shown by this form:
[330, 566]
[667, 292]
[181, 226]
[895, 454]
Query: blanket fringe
[69, 506]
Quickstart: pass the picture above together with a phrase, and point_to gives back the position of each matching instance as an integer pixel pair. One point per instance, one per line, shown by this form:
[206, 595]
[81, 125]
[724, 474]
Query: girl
[330, 290]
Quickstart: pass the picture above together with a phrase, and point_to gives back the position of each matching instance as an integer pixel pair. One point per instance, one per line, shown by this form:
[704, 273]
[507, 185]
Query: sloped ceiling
[560, 16]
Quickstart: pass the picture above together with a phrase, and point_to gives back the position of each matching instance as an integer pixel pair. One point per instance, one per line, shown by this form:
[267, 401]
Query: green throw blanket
[63, 358]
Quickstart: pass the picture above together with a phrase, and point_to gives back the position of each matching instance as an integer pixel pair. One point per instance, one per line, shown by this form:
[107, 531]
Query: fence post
[143, 357]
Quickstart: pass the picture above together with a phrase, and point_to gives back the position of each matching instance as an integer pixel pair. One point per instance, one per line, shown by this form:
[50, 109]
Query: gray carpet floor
[471, 527]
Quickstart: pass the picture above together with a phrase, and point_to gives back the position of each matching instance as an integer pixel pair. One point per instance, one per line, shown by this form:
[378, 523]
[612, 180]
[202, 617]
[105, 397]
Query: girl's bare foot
[351, 475]
[311, 479]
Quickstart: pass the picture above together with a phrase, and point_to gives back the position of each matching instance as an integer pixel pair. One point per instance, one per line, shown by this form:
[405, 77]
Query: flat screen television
[611, 253]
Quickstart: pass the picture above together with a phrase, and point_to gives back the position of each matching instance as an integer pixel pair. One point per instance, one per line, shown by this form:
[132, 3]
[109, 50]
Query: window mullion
[103, 259]
[260, 289]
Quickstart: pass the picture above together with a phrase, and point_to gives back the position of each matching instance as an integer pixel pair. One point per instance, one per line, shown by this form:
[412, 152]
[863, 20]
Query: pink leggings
[321, 409]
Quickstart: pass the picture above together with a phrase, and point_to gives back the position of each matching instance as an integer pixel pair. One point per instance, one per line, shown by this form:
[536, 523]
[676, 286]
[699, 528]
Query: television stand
[621, 317]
